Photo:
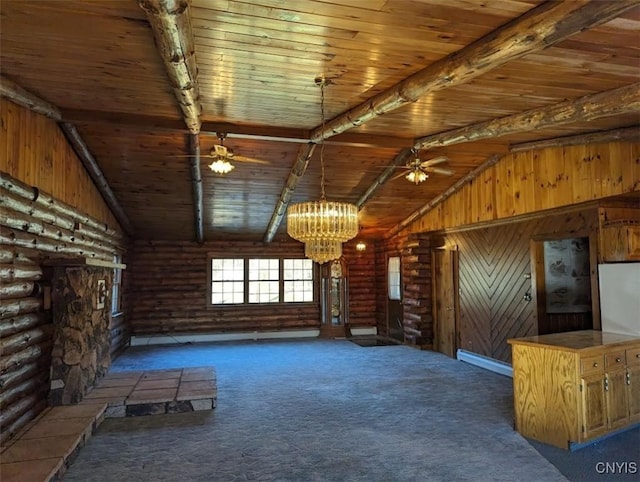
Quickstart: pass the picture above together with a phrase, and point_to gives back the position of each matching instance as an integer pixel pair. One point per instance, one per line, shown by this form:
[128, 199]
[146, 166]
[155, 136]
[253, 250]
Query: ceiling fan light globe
[221, 167]
[417, 176]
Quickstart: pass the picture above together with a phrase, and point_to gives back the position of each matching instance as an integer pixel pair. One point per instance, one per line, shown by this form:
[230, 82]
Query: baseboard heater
[163, 339]
[485, 362]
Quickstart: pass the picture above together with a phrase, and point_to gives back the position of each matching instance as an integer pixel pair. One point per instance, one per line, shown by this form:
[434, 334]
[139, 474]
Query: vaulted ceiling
[400, 71]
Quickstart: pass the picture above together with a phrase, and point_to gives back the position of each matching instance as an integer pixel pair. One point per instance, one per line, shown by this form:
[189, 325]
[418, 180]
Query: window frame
[116, 288]
[281, 282]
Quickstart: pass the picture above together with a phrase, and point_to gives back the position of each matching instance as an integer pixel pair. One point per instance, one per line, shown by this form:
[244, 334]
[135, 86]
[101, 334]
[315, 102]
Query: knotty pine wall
[34, 150]
[169, 290]
[69, 217]
[532, 181]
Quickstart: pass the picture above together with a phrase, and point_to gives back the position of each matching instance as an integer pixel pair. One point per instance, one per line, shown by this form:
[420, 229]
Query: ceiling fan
[221, 156]
[416, 170]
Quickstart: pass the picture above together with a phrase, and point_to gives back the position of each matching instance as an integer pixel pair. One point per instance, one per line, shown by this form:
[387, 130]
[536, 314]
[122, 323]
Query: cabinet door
[615, 386]
[594, 420]
[633, 392]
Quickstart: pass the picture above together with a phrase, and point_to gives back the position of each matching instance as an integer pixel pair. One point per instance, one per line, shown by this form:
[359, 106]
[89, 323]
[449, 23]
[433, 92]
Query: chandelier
[322, 225]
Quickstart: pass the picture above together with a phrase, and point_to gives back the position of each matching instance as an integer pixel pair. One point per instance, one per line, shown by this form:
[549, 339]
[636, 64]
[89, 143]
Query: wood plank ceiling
[257, 60]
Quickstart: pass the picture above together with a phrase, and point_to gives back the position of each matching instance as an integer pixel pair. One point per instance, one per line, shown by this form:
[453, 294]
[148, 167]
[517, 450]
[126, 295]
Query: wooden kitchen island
[571, 388]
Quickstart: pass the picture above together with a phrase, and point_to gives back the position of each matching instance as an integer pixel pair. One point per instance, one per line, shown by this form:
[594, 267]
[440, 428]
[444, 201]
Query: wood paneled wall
[49, 207]
[494, 277]
[532, 181]
[34, 150]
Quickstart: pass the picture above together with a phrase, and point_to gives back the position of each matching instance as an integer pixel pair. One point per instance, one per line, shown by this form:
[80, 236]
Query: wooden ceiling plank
[613, 102]
[539, 28]
[90, 164]
[171, 27]
[297, 171]
[400, 159]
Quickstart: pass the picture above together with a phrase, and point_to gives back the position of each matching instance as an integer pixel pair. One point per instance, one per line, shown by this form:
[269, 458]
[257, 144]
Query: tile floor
[47, 446]
[136, 393]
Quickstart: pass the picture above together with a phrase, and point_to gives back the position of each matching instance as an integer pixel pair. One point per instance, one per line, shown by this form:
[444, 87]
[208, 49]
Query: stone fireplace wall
[81, 306]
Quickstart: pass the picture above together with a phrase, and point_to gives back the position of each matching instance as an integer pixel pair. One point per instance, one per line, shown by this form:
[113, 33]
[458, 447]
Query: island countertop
[576, 340]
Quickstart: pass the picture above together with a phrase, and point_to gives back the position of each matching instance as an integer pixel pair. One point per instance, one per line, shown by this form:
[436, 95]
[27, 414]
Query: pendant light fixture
[322, 225]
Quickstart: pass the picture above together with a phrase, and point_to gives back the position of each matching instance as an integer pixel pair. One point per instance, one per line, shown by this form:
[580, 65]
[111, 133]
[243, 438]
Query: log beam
[196, 183]
[492, 161]
[539, 28]
[297, 171]
[171, 24]
[90, 164]
[18, 95]
[399, 160]
[623, 100]
[623, 134]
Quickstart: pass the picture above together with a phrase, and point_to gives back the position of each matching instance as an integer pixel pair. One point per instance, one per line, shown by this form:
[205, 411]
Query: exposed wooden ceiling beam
[96, 175]
[20, 96]
[297, 171]
[623, 134]
[17, 95]
[612, 102]
[400, 159]
[196, 183]
[444, 195]
[542, 26]
[171, 24]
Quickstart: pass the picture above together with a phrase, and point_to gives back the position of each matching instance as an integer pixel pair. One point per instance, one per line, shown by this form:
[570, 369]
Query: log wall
[49, 208]
[362, 289]
[532, 181]
[170, 289]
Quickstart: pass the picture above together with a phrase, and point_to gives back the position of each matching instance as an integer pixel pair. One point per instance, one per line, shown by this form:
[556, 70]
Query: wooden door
[444, 301]
[616, 394]
[633, 392]
[594, 421]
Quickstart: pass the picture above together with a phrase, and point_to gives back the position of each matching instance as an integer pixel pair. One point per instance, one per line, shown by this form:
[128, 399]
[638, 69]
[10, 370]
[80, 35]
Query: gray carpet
[320, 411]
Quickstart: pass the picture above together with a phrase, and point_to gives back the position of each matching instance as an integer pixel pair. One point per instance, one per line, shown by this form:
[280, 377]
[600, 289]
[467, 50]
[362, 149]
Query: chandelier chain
[322, 193]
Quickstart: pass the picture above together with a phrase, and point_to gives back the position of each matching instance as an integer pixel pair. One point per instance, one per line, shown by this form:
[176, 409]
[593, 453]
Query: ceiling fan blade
[434, 161]
[440, 170]
[250, 159]
[398, 176]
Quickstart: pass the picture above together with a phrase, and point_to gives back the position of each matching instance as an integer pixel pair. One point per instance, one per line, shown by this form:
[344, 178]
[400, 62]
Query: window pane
[393, 272]
[264, 292]
[227, 292]
[264, 269]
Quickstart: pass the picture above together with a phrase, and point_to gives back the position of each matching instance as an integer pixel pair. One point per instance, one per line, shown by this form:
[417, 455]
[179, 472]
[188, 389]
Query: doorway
[445, 268]
[395, 329]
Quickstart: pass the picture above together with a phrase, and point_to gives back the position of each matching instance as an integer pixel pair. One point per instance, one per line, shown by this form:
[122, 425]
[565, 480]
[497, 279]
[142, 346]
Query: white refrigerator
[620, 297]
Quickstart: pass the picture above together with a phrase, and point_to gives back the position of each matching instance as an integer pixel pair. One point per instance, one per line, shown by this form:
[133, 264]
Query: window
[227, 281]
[298, 280]
[394, 278]
[115, 290]
[264, 280]
[261, 280]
